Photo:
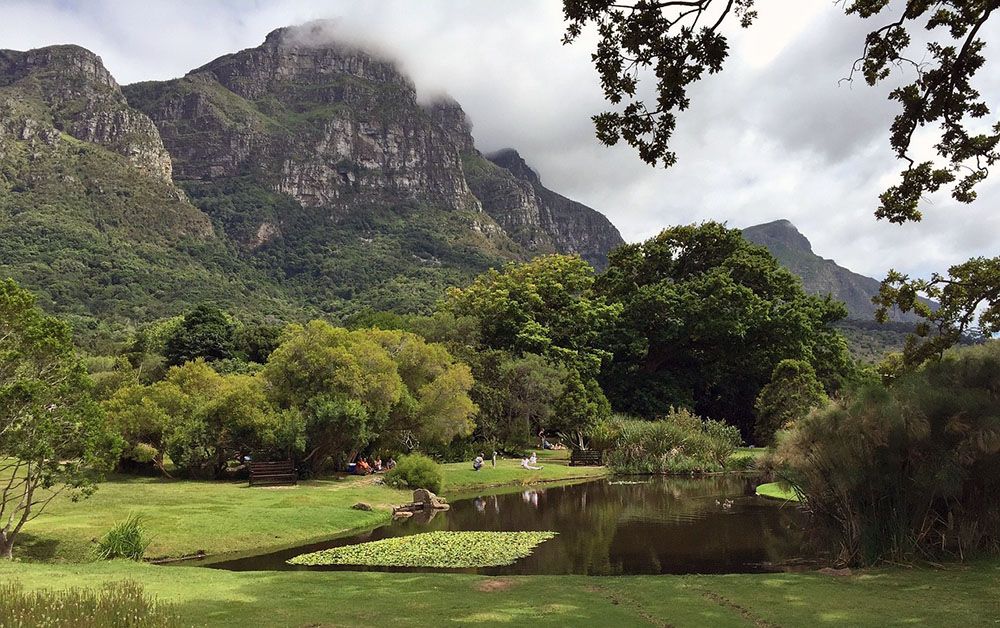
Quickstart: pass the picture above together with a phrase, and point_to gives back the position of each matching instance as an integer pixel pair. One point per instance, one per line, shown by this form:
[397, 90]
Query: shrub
[679, 443]
[416, 471]
[127, 539]
[116, 604]
[906, 471]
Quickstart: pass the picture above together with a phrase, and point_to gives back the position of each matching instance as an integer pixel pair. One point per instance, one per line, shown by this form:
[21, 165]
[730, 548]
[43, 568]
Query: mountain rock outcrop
[537, 218]
[67, 88]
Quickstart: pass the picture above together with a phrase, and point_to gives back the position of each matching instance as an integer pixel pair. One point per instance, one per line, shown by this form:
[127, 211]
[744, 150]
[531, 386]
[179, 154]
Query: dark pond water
[610, 527]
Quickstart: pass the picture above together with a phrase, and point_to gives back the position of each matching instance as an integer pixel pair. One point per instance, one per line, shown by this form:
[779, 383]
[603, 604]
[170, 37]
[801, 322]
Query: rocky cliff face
[538, 218]
[820, 276]
[341, 129]
[72, 92]
[326, 123]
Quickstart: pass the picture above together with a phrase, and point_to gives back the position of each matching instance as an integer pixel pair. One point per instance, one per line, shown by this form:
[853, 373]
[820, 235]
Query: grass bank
[187, 517]
[961, 596]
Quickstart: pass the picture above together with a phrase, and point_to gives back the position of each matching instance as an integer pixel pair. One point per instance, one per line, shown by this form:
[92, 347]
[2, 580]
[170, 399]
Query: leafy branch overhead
[942, 94]
[678, 41]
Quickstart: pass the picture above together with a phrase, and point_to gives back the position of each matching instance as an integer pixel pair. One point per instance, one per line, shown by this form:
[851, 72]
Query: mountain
[868, 340]
[821, 276]
[89, 216]
[537, 218]
[302, 176]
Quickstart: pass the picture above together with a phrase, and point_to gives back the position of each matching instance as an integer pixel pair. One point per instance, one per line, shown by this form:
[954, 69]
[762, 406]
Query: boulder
[361, 506]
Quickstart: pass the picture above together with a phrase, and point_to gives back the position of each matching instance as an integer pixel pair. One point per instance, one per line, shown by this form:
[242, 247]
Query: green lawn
[960, 596]
[187, 517]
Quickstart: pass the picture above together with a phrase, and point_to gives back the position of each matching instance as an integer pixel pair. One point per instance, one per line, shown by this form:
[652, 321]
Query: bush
[908, 471]
[127, 539]
[116, 604]
[679, 443]
[416, 471]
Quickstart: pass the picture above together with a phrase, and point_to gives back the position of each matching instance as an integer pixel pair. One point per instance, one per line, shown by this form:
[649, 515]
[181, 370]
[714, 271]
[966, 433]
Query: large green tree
[206, 332]
[540, 327]
[545, 306]
[792, 392]
[53, 437]
[707, 316]
[674, 43]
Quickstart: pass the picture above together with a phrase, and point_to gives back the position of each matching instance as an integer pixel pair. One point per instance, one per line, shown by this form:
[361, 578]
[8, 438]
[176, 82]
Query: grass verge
[961, 596]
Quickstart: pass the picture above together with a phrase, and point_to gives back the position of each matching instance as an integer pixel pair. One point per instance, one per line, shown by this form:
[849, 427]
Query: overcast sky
[773, 136]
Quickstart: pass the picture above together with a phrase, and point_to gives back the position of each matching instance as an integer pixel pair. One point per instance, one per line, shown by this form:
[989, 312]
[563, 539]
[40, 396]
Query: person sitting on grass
[526, 464]
[477, 464]
[533, 459]
[363, 467]
[390, 464]
[377, 466]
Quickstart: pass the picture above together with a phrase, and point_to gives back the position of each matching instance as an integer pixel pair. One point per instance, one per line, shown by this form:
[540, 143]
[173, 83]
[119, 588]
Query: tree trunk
[6, 546]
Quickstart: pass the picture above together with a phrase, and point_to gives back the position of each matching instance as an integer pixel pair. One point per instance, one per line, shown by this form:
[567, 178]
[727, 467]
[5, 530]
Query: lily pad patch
[433, 549]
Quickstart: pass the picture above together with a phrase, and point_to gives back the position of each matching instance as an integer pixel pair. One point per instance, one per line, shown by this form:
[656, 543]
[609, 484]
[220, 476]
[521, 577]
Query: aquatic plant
[433, 549]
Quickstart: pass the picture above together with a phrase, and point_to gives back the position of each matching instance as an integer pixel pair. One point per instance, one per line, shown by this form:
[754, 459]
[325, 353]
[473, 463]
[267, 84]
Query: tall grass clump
[681, 442]
[127, 539]
[906, 472]
[416, 471]
[121, 604]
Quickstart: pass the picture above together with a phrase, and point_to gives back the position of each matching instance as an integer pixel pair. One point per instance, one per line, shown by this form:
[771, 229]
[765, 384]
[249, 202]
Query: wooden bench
[586, 457]
[273, 473]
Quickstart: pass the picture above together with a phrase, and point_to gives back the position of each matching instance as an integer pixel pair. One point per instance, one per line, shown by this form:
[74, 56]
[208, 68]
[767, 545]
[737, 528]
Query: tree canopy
[706, 318]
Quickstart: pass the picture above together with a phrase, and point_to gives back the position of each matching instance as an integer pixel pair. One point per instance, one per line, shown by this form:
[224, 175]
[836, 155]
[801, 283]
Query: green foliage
[127, 539]
[416, 471]
[52, 434]
[681, 442]
[968, 300]
[707, 316]
[664, 37]
[433, 549]
[648, 36]
[206, 332]
[203, 420]
[580, 406]
[907, 471]
[792, 392]
[115, 604]
[545, 306]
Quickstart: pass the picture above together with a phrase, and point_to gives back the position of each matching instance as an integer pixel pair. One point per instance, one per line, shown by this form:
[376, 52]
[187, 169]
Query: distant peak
[511, 160]
[780, 231]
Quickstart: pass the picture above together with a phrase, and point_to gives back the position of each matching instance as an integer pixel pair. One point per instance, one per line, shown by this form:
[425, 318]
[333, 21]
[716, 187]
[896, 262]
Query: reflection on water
[625, 526]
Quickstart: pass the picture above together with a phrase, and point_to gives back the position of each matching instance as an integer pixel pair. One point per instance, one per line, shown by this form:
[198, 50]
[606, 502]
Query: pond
[621, 526]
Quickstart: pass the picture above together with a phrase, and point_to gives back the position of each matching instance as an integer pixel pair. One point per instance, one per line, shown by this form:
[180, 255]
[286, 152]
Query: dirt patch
[493, 585]
[746, 613]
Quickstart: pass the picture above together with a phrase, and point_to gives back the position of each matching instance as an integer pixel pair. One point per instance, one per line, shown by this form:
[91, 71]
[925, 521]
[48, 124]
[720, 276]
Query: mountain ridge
[290, 177]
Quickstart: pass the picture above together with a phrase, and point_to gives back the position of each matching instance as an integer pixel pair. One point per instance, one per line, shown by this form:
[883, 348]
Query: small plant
[416, 471]
[127, 539]
[116, 604]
